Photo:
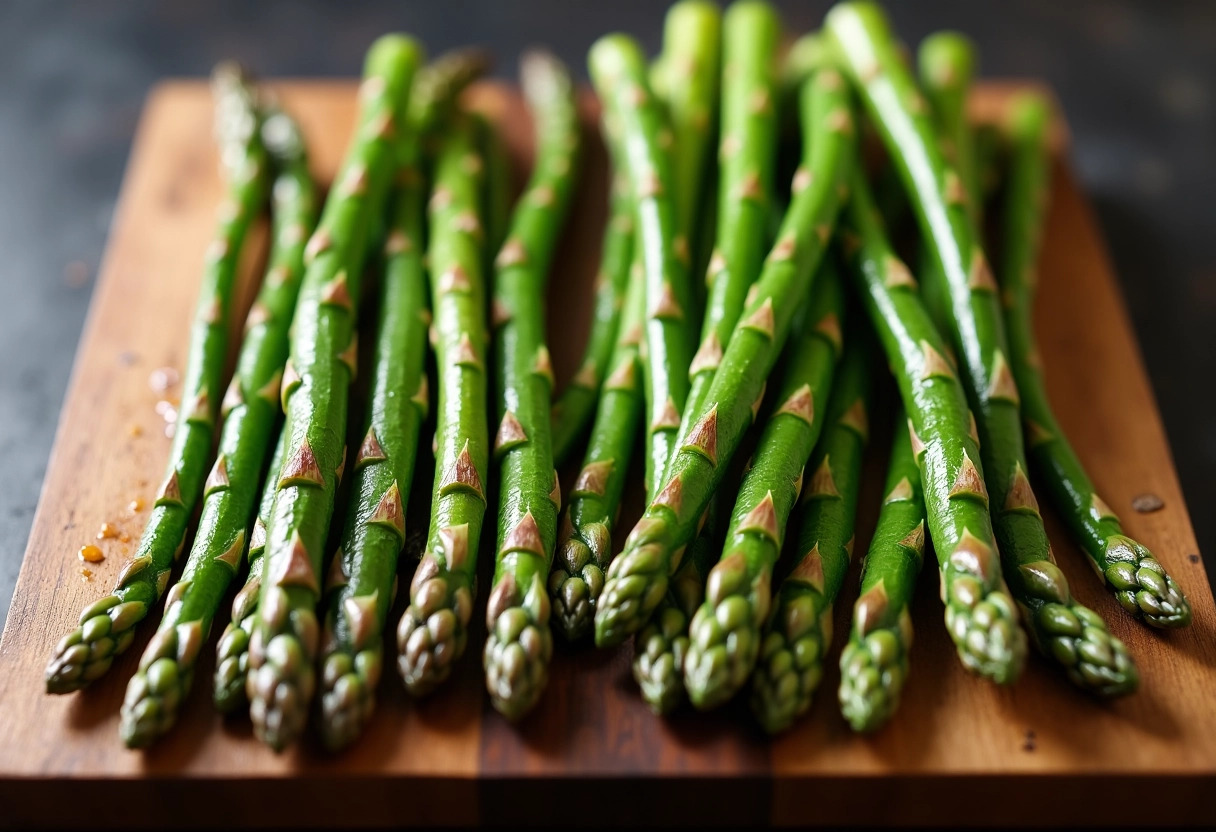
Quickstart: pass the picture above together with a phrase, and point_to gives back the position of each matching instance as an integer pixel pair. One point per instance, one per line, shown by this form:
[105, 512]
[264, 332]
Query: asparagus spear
[166, 668]
[748, 154]
[1100, 663]
[618, 70]
[1128, 568]
[433, 632]
[107, 626]
[980, 616]
[232, 651]
[799, 631]
[661, 647]
[519, 643]
[805, 55]
[362, 579]
[686, 78]
[496, 190]
[637, 581]
[726, 629]
[874, 663]
[585, 538]
[283, 646]
[947, 62]
[575, 407]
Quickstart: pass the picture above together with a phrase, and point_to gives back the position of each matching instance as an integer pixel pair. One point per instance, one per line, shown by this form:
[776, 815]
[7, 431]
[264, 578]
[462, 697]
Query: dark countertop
[1137, 80]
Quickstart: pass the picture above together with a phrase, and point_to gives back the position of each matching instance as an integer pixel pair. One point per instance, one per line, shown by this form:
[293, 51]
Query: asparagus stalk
[107, 626]
[661, 647]
[618, 70]
[575, 407]
[686, 79]
[799, 631]
[980, 616]
[251, 408]
[744, 208]
[362, 580]
[232, 651]
[748, 157]
[283, 646]
[519, 643]
[637, 580]
[726, 628]
[433, 632]
[1128, 568]
[874, 663]
[1089, 655]
[585, 538]
[805, 55]
[496, 190]
[947, 63]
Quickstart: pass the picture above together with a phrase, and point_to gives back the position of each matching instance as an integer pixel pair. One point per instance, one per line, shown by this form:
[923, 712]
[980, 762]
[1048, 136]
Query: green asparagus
[585, 538]
[661, 647]
[874, 663]
[1064, 631]
[980, 616]
[433, 631]
[799, 630]
[748, 157]
[283, 646]
[251, 410]
[947, 64]
[232, 651]
[362, 579]
[618, 70]
[745, 181]
[107, 627]
[726, 629]
[1127, 567]
[686, 78]
[496, 190]
[437, 86]
[638, 579]
[519, 643]
[576, 405]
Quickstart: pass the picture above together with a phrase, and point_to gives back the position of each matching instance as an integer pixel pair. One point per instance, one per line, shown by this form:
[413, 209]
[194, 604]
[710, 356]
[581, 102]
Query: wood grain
[958, 751]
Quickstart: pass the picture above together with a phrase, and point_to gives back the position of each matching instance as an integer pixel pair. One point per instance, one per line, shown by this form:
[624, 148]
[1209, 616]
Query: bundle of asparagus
[681, 363]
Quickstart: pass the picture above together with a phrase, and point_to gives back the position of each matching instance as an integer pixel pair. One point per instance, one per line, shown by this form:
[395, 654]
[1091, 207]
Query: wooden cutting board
[959, 751]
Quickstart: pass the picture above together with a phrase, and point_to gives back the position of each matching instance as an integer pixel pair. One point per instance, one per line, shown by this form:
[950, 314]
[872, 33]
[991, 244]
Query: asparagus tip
[1077, 638]
[348, 694]
[659, 655]
[429, 641]
[516, 660]
[575, 585]
[106, 629]
[788, 672]
[872, 673]
[722, 651]
[631, 593]
[1143, 587]
[985, 630]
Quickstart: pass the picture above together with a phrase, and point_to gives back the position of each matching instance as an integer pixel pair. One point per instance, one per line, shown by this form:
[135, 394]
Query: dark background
[1137, 80]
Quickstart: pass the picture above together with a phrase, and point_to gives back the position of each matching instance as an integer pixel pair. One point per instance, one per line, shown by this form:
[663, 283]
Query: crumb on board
[1147, 503]
[91, 554]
